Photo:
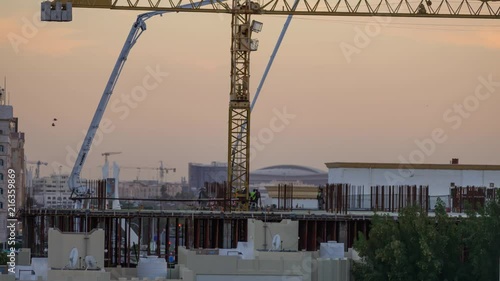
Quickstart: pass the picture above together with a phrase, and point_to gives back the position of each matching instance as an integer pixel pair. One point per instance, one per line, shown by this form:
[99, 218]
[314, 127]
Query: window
[1, 205]
[1, 191]
[1, 148]
[1, 162]
[1, 176]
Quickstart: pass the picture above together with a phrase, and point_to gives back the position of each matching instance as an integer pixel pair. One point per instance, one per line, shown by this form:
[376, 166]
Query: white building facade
[148, 189]
[52, 192]
[11, 157]
[439, 177]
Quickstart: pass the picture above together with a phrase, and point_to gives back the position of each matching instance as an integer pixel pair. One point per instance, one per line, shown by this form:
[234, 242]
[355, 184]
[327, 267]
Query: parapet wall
[88, 244]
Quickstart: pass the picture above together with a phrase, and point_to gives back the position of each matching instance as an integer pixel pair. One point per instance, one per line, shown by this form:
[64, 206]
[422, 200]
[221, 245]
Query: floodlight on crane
[257, 26]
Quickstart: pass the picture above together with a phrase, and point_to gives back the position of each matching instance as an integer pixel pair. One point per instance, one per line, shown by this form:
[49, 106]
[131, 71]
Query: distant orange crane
[161, 170]
[38, 164]
[106, 154]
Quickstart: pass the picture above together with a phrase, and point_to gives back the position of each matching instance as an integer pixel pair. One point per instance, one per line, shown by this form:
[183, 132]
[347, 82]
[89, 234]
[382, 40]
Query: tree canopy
[419, 247]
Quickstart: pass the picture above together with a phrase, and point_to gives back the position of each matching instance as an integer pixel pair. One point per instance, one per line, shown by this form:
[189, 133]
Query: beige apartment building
[11, 157]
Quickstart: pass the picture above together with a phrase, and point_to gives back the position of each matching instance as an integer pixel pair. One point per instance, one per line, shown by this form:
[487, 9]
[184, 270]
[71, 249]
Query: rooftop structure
[439, 177]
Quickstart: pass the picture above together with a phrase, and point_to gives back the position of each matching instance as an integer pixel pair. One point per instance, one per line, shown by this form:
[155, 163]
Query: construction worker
[202, 195]
[258, 201]
[321, 199]
[253, 199]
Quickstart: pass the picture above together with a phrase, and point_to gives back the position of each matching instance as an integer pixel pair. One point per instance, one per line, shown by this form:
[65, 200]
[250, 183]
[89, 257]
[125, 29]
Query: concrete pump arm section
[242, 44]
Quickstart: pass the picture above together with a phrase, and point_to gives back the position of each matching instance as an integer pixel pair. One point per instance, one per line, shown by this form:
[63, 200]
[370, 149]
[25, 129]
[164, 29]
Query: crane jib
[479, 9]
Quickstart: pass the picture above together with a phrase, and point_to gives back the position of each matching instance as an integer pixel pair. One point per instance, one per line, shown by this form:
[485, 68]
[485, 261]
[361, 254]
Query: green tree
[415, 247]
[3, 258]
[163, 191]
[450, 236]
[482, 239]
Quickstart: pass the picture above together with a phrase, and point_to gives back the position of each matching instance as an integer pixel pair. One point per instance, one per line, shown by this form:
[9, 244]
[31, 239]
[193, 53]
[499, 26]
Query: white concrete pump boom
[78, 190]
[61, 10]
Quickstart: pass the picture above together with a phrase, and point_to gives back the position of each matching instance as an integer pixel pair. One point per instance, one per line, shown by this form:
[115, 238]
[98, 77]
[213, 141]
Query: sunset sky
[375, 105]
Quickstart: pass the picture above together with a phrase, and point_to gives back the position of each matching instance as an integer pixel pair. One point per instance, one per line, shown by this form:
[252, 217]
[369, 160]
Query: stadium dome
[303, 174]
[288, 170]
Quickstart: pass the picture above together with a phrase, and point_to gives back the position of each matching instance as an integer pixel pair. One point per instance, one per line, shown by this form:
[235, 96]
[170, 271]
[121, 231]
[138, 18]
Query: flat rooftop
[366, 165]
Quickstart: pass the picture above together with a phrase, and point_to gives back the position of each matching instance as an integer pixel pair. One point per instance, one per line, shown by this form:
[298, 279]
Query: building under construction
[342, 212]
[185, 230]
[340, 216]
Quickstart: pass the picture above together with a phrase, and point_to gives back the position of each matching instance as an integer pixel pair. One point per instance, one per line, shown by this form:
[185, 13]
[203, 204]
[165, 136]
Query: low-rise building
[52, 192]
[439, 177]
[148, 189]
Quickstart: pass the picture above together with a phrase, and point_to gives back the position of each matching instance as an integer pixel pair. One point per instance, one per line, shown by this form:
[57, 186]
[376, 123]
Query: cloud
[24, 35]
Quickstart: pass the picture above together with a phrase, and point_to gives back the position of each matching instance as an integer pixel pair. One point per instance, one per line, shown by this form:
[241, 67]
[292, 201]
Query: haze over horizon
[412, 80]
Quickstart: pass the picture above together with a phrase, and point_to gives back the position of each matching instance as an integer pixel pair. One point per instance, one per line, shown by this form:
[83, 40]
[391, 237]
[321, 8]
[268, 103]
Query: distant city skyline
[421, 89]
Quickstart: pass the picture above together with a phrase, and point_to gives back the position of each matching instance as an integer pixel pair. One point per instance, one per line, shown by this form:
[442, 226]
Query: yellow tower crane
[242, 43]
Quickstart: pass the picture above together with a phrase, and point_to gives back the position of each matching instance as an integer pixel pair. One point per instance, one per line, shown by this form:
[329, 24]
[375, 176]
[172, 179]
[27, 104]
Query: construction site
[276, 223]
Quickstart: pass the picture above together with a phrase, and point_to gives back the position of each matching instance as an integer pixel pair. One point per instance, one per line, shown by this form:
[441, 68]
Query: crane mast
[239, 105]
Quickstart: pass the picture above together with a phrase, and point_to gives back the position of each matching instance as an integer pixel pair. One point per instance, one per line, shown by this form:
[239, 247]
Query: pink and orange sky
[391, 93]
